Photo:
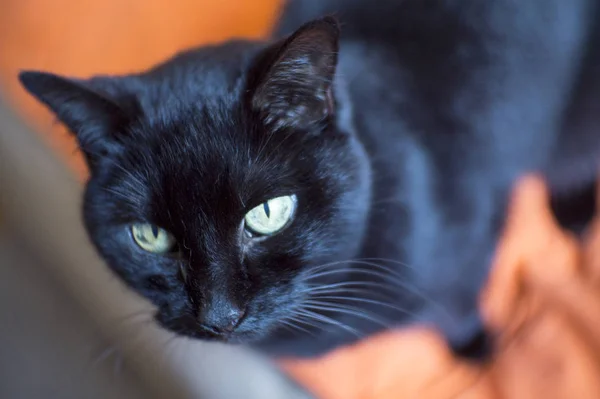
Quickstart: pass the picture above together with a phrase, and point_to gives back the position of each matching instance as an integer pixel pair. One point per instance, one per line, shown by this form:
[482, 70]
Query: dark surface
[47, 348]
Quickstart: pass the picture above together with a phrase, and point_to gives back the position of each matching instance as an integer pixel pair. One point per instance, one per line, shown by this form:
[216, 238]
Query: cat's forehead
[203, 156]
[201, 77]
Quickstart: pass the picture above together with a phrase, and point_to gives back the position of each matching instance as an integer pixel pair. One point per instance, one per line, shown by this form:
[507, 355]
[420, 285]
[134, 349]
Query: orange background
[543, 298]
[86, 37]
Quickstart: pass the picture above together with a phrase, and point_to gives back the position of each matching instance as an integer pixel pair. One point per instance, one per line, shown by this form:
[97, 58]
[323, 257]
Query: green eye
[152, 238]
[271, 216]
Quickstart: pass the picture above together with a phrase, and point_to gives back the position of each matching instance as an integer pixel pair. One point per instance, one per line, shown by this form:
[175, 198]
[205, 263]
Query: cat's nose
[220, 318]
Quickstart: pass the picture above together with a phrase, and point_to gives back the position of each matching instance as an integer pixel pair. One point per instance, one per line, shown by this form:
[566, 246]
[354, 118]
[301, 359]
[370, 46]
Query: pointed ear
[296, 89]
[92, 117]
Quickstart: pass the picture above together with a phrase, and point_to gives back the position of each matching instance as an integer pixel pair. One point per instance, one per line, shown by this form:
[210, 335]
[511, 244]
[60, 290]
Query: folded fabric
[542, 300]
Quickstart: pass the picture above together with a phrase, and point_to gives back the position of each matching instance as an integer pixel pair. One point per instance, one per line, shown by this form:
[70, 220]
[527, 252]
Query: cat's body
[402, 159]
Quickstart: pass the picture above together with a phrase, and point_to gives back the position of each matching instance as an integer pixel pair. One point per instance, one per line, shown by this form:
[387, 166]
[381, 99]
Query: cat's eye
[270, 217]
[152, 238]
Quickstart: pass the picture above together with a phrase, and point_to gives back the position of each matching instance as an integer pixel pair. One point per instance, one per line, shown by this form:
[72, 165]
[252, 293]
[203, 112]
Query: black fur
[401, 148]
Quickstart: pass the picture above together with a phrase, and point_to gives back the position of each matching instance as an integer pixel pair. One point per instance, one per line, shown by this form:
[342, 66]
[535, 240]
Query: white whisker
[311, 304]
[295, 326]
[363, 300]
[328, 320]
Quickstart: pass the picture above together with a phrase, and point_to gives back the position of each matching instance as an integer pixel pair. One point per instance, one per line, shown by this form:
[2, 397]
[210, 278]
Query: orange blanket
[541, 299]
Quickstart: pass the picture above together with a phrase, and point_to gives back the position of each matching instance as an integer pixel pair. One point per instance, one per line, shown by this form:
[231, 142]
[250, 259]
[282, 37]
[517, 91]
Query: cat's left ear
[296, 89]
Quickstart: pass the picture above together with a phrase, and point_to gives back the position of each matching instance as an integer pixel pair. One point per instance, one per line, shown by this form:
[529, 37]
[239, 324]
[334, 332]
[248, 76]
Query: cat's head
[221, 179]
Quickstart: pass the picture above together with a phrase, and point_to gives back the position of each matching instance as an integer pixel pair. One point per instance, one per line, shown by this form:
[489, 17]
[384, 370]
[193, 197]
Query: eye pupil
[267, 209]
[155, 231]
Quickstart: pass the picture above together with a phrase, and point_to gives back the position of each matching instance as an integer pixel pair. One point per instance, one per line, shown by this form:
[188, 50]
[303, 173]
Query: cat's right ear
[94, 119]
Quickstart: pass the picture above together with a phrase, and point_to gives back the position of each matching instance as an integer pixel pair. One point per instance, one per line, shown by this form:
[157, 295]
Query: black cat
[299, 194]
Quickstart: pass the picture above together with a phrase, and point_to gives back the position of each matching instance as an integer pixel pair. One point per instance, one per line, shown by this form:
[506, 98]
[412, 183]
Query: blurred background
[68, 328]
[81, 38]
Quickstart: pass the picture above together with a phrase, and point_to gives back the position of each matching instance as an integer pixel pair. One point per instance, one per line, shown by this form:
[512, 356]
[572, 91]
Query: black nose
[221, 318]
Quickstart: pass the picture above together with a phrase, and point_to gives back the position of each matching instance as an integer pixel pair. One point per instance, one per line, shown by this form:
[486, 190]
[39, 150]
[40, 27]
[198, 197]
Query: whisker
[105, 354]
[306, 320]
[136, 179]
[118, 365]
[317, 288]
[372, 273]
[394, 261]
[344, 309]
[168, 346]
[397, 277]
[364, 300]
[294, 326]
[328, 320]
[116, 193]
[136, 324]
[352, 290]
[367, 262]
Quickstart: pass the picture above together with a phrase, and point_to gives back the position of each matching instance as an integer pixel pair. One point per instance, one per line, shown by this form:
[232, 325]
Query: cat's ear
[296, 89]
[95, 119]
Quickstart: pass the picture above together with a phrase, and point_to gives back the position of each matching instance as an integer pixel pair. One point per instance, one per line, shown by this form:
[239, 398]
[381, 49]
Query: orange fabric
[542, 297]
[85, 37]
[543, 301]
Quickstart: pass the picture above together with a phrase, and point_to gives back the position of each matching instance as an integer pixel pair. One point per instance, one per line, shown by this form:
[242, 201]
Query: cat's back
[426, 70]
[373, 20]
[397, 23]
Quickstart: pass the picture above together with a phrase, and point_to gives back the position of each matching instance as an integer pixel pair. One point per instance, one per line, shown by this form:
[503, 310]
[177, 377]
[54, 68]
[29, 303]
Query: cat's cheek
[146, 273]
[253, 330]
